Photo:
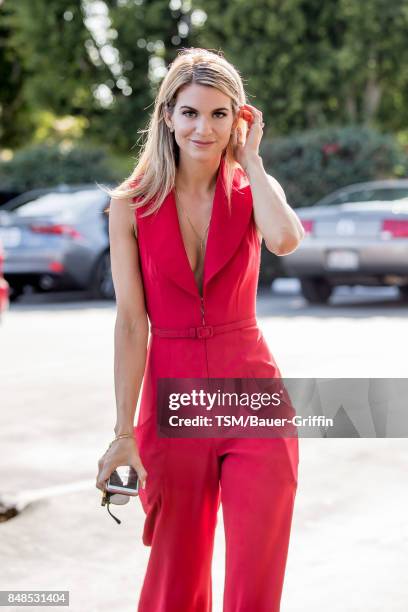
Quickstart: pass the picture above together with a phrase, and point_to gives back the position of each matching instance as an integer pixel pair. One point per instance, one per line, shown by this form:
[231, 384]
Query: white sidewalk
[349, 545]
[348, 549]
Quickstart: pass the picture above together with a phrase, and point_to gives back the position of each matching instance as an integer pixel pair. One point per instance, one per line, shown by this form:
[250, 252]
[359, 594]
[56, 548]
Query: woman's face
[202, 114]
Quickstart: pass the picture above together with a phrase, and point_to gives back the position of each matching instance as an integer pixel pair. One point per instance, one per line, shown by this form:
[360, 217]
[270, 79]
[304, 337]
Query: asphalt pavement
[349, 543]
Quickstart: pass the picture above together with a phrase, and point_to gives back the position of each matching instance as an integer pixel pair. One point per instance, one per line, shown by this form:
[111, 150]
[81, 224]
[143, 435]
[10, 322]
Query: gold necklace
[192, 226]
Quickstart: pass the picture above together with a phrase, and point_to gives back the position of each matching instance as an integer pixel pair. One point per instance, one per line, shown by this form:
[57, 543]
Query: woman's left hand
[244, 150]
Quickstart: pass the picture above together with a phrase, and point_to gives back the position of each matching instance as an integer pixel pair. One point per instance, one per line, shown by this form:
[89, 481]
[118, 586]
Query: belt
[204, 331]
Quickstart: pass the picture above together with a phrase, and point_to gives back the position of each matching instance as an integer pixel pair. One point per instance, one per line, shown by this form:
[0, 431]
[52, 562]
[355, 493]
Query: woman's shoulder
[126, 199]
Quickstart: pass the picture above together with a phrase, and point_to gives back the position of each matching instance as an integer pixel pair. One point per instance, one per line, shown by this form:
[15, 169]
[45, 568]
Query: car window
[367, 195]
[61, 203]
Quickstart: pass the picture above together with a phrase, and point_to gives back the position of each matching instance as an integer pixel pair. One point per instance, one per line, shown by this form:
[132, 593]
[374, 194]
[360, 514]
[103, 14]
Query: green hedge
[311, 165]
[46, 165]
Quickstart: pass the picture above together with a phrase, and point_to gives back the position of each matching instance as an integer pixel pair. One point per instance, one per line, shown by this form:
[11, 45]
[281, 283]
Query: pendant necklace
[192, 226]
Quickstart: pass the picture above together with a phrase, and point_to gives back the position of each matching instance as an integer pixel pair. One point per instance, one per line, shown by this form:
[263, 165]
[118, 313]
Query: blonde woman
[185, 232]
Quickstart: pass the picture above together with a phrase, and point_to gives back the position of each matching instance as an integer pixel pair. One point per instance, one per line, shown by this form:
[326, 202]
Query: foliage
[312, 164]
[95, 60]
[46, 165]
[311, 64]
[306, 65]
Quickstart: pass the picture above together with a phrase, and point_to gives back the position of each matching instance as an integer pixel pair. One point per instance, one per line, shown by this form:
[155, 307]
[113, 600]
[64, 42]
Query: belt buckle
[205, 331]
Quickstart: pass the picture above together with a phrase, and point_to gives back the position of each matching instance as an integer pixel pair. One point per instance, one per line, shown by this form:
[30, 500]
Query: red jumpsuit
[255, 479]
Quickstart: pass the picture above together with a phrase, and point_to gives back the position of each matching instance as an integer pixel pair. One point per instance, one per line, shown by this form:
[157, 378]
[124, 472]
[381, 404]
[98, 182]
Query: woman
[187, 257]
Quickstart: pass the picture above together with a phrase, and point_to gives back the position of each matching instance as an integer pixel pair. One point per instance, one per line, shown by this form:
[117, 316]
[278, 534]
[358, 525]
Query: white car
[355, 236]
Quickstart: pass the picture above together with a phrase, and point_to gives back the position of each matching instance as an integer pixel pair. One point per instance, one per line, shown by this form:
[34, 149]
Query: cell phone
[123, 480]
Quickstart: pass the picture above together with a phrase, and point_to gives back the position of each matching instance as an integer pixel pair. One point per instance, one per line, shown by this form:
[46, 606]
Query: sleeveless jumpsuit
[255, 479]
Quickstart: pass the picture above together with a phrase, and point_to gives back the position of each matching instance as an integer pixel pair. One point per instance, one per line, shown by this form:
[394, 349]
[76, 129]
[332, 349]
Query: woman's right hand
[122, 452]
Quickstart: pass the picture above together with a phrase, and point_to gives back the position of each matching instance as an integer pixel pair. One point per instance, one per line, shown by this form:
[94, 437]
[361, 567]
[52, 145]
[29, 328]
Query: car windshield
[367, 195]
[61, 204]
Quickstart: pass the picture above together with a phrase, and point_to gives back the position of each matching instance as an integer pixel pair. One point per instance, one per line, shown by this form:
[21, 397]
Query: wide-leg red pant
[255, 480]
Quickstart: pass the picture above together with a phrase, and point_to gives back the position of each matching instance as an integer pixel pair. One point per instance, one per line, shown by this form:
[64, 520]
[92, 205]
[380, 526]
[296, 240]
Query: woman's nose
[203, 127]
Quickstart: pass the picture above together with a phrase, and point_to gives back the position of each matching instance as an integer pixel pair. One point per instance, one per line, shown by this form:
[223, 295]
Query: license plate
[344, 260]
[10, 236]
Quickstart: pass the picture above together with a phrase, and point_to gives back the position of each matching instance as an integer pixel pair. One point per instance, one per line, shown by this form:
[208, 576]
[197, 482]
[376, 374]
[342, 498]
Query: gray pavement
[349, 544]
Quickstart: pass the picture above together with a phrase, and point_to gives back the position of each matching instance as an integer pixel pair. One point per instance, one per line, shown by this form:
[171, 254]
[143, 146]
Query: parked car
[18, 199]
[4, 286]
[384, 190]
[353, 243]
[271, 267]
[58, 240]
[7, 194]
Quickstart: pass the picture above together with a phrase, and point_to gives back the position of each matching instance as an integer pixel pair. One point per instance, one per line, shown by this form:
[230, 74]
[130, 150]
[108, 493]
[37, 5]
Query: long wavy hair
[155, 172]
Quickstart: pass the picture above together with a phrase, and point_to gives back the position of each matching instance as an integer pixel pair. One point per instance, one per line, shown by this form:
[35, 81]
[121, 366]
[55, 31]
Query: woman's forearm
[130, 343]
[278, 223]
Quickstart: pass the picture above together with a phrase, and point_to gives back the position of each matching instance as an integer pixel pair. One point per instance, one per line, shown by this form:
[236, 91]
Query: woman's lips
[202, 144]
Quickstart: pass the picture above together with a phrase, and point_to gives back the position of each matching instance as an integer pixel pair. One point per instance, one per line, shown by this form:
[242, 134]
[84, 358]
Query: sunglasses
[114, 498]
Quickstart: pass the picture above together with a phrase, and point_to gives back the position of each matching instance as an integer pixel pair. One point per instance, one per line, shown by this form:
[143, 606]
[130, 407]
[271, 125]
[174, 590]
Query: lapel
[164, 241]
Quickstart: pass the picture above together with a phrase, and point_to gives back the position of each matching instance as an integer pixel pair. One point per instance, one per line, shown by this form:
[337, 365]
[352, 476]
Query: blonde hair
[155, 171]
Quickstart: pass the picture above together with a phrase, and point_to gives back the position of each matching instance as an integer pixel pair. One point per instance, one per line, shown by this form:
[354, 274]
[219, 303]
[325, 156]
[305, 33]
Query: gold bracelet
[128, 435]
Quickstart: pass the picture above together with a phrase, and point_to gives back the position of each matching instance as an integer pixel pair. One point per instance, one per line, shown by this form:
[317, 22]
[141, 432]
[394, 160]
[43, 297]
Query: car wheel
[316, 290]
[403, 291]
[102, 284]
[15, 292]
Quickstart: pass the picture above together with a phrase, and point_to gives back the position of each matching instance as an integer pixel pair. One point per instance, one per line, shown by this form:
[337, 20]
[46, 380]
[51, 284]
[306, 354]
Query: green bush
[310, 165]
[46, 165]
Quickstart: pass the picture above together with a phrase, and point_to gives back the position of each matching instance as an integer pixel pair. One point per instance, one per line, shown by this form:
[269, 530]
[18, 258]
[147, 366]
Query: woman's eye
[219, 113]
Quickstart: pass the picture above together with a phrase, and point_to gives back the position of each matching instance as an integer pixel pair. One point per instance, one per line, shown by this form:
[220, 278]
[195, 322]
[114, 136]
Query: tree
[312, 63]
[99, 60]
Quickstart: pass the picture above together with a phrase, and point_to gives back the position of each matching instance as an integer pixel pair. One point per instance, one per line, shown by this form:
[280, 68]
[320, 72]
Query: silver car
[58, 240]
[354, 236]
